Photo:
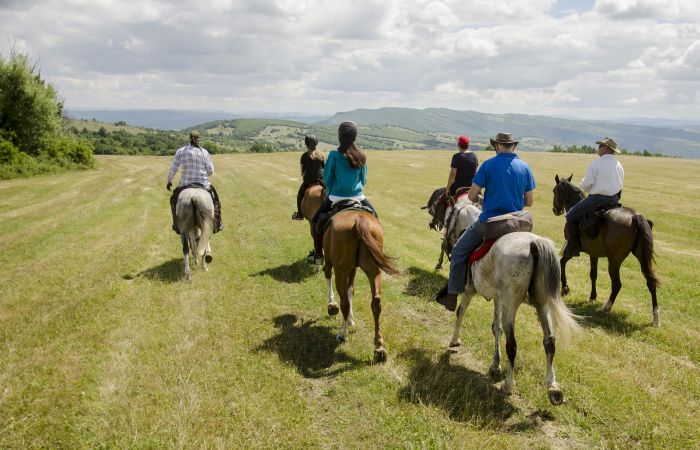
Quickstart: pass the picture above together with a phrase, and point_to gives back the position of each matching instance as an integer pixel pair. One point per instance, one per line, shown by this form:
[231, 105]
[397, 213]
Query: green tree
[30, 110]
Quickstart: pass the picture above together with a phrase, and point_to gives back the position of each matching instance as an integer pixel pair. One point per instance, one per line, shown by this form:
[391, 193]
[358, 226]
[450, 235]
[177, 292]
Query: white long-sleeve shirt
[604, 176]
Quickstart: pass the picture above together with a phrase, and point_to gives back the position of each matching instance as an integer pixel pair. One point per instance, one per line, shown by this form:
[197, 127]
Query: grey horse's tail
[544, 286]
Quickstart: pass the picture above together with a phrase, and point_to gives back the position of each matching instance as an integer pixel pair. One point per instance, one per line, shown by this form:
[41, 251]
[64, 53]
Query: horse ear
[556, 178]
[570, 177]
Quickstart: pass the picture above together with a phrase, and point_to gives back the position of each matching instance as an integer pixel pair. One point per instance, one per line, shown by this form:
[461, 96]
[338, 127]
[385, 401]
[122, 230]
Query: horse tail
[363, 228]
[644, 249]
[205, 224]
[546, 278]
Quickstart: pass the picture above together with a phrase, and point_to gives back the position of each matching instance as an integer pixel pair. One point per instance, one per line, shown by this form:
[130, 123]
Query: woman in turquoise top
[345, 172]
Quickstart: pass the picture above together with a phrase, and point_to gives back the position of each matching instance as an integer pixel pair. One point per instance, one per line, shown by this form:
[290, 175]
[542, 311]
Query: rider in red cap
[464, 164]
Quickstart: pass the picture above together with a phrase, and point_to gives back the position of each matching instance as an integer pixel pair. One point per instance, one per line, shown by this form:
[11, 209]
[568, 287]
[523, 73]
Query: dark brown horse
[355, 239]
[622, 231]
[313, 197]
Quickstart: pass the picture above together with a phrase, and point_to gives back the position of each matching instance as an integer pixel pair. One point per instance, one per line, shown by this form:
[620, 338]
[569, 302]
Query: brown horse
[313, 197]
[622, 231]
[355, 239]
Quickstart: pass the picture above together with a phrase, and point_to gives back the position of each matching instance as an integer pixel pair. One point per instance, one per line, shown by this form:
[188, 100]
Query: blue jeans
[466, 244]
[589, 205]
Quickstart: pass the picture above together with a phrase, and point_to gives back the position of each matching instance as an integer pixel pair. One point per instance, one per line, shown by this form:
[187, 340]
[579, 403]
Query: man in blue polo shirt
[509, 185]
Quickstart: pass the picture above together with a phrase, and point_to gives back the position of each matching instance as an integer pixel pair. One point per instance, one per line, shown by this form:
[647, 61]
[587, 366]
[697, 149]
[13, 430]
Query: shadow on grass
[423, 283]
[312, 348]
[290, 273]
[466, 395]
[615, 321]
[170, 271]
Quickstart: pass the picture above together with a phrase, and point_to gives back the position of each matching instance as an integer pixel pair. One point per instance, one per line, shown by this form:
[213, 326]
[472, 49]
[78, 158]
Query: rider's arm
[363, 174]
[474, 193]
[175, 165]
[588, 179]
[328, 173]
[529, 198]
[451, 179]
[210, 166]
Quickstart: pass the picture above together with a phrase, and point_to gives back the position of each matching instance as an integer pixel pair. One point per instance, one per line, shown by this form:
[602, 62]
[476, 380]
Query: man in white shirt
[603, 182]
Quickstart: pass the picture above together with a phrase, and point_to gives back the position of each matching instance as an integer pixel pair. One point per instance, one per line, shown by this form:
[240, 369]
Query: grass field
[103, 345]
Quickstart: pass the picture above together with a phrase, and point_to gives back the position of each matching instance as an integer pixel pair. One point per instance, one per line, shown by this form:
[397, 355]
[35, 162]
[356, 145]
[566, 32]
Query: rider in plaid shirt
[196, 170]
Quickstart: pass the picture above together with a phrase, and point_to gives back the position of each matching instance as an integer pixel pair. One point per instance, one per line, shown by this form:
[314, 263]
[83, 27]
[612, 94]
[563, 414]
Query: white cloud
[321, 57]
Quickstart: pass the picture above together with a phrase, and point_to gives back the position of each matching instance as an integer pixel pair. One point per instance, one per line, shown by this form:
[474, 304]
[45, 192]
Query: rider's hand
[169, 185]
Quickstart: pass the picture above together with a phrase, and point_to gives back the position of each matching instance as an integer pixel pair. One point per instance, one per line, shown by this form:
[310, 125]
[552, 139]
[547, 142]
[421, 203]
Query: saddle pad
[481, 251]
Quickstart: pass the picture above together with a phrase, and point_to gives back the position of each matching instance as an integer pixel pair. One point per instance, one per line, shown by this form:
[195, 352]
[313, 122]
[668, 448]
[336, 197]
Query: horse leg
[511, 344]
[616, 284]
[375, 280]
[651, 285]
[332, 305]
[341, 285]
[564, 284]
[466, 299]
[207, 253]
[495, 368]
[594, 277]
[351, 291]
[554, 392]
[438, 266]
[186, 255]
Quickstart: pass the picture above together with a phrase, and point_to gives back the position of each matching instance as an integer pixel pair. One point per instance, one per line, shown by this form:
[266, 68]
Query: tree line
[32, 138]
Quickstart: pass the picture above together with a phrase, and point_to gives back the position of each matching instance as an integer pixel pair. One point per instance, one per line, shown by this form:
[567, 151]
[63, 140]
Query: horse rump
[363, 227]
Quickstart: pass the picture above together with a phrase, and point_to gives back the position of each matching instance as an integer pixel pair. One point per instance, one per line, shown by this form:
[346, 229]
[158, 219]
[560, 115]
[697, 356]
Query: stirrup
[297, 216]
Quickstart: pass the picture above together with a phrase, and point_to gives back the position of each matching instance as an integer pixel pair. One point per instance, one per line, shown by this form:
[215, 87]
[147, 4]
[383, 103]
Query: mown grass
[102, 345]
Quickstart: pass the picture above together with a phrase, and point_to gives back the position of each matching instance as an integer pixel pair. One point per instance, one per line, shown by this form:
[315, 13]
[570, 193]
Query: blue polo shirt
[505, 179]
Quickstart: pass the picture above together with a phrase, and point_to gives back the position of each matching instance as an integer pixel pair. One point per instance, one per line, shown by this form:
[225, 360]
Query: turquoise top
[340, 178]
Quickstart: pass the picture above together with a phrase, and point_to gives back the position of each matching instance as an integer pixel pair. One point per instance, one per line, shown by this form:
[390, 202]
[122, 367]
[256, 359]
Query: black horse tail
[544, 286]
[363, 229]
[644, 249]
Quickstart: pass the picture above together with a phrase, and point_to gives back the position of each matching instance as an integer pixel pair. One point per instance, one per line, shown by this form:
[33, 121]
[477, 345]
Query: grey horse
[195, 219]
[520, 267]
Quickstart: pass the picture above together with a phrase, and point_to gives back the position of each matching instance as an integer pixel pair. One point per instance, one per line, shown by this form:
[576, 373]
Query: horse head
[565, 195]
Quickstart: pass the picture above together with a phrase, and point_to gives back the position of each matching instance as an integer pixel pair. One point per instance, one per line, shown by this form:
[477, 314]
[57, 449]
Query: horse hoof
[380, 355]
[506, 389]
[556, 396]
[340, 338]
[656, 321]
[351, 323]
[438, 267]
[208, 258]
[591, 300]
[564, 290]
[333, 309]
[495, 372]
[455, 345]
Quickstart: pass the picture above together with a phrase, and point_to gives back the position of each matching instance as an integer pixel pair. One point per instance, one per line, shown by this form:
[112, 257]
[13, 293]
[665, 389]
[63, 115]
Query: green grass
[103, 345]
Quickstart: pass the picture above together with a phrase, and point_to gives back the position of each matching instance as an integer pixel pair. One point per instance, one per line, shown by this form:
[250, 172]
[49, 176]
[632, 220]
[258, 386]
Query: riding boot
[573, 246]
[173, 205]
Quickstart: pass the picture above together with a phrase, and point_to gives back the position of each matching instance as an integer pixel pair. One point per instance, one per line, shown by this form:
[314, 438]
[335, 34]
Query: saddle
[324, 220]
[590, 225]
[480, 251]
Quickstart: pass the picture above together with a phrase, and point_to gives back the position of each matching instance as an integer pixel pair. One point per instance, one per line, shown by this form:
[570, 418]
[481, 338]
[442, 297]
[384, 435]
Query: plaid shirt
[196, 166]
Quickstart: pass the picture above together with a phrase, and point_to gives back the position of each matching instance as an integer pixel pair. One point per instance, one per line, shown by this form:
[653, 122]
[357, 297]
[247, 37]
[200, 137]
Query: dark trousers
[576, 214]
[300, 196]
[218, 224]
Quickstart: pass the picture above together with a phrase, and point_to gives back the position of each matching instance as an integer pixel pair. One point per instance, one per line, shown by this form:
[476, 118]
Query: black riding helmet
[311, 141]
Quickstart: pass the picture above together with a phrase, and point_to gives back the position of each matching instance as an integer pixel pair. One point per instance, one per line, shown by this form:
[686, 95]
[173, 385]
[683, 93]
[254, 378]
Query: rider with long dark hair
[344, 175]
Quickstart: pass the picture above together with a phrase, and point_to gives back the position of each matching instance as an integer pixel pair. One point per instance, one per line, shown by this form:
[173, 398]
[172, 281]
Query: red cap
[463, 141]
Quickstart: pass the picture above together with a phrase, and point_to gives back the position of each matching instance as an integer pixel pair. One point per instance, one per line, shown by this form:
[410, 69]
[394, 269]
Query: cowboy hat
[608, 142]
[503, 138]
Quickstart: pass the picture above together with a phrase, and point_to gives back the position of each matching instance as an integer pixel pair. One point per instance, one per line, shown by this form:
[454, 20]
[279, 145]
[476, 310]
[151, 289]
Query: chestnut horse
[355, 239]
[622, 231]
[313, 197]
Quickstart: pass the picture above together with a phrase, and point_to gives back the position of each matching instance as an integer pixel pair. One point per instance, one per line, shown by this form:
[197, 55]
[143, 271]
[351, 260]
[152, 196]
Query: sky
[589, 59]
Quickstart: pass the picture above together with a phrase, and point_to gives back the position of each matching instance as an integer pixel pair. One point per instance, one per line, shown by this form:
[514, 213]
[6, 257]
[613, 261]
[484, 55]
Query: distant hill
[177, 120]
[535, 132]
